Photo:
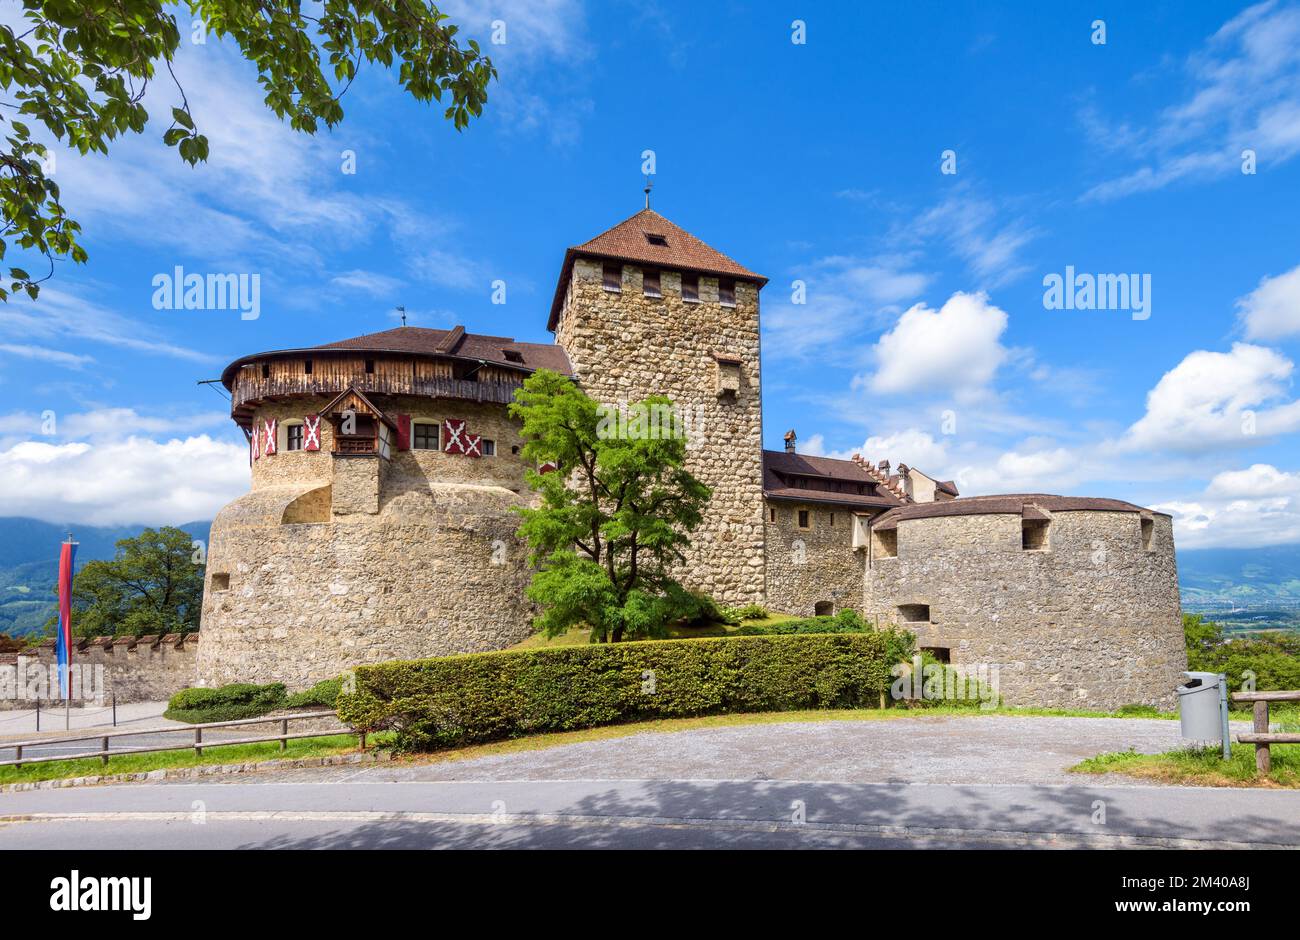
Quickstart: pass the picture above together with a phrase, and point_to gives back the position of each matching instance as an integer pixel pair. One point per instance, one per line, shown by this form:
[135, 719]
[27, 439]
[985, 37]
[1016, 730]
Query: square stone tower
[645, 309]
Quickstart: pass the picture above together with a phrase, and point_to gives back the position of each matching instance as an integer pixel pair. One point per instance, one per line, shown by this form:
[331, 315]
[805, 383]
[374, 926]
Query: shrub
[226, 703]
[435, 703]
[846, 621]
[323, 693]
[753, 612]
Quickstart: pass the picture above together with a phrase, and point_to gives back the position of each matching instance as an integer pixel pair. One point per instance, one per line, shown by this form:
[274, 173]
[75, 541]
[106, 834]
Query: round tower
[1071, 602]
[379, 522]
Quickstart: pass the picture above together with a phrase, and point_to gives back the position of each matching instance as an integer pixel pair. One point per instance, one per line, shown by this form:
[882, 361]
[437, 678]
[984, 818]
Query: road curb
[206, 770]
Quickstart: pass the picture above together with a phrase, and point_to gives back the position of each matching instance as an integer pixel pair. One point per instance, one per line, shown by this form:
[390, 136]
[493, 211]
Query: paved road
[642, 813]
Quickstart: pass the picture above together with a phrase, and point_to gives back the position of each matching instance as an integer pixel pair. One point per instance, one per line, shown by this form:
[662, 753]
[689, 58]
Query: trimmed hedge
[456, 700]
[226, 703]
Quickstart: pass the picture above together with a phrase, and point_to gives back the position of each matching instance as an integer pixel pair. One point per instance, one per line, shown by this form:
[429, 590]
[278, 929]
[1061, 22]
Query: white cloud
[58, 315]
[56, 356]
[1245, 95]
[973, 228]
[131, 480]
[1272, 310]
[845, 296]
[1239, 509]
[1214, 398]
[369, 282]
[953, 349]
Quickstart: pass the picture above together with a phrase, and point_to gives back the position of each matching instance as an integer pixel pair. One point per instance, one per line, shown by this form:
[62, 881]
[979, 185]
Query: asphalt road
[979, 781]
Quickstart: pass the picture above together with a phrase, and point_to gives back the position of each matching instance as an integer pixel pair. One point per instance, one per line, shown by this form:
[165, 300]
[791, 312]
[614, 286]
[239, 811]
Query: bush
[226, 703]
[753, 612]
[323, 693]
[846, 621]
[436, 703]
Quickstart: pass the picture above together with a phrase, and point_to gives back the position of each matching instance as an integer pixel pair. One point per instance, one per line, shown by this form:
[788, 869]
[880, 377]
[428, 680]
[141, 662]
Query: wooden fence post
[105, 757]
[1263, 758]
[198, 740]
[284, 730]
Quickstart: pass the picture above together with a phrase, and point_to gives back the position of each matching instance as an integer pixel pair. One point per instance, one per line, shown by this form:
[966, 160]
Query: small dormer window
[660, 241]
[514, 355]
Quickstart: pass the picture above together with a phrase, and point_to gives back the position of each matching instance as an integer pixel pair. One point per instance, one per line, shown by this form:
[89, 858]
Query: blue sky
[924, 337]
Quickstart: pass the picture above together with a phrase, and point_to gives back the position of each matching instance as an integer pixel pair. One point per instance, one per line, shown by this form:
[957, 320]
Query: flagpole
[65, 622]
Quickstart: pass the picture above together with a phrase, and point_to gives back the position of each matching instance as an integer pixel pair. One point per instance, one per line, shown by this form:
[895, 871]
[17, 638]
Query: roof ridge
[892, 484]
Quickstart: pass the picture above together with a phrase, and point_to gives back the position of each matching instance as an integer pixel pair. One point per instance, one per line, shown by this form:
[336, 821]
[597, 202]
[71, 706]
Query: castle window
[886, 543]
[1033, 535]
[804, 521]
[660, 241]
[823, 608]
[293, 437]
[613, 275]
[489, 448]
[221, 582]
[772, 516]
[942, 653]
[832, 519]
[370, 367]
[425, 437]
[691, 288]
[1148, 533]
[914, 613]
[306, 367]
[650, 283]
[726, 292]
[266, 370]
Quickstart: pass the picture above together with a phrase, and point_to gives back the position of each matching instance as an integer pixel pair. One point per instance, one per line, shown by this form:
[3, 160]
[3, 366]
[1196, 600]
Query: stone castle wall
[813, 565]
[1093, 621]
[625, 346]
[361, 559]
[128, 669]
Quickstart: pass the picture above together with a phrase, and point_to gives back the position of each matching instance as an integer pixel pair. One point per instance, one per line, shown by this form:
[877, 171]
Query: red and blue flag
[63, 643]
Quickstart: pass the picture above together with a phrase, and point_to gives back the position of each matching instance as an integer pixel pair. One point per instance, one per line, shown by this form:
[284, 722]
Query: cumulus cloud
[1272, 310]
[1216, 399]
[1257, 506]
[134, 480]
[954, 349]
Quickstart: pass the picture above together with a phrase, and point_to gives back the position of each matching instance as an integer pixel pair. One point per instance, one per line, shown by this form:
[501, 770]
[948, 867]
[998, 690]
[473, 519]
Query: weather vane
[649, 184]
[402, 311]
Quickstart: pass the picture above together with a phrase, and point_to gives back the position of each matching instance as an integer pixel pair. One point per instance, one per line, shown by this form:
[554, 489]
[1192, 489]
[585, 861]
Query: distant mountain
[29, 564]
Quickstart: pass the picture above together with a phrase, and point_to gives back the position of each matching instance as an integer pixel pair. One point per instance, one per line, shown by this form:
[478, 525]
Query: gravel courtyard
[926, 749]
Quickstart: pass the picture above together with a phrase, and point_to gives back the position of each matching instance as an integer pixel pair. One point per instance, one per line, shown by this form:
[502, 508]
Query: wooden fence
[198, 744]
[1260, 736]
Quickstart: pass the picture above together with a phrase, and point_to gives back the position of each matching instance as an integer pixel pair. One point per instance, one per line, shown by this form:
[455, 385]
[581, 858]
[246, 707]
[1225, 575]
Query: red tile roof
[421, 341]
[628, 241]
[780, 467]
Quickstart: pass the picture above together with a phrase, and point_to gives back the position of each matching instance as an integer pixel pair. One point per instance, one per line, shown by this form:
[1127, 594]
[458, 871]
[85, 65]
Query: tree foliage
[1272, 658]
[613, 520]
[81, 68]
[151, 585]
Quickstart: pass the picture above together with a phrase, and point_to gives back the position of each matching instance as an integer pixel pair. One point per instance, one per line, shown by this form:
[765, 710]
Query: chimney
[884, 467]
[789, 441]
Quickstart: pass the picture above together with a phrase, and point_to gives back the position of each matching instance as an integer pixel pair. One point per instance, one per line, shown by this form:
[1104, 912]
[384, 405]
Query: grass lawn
[1195, 767]
[212, 754]
[578, 636]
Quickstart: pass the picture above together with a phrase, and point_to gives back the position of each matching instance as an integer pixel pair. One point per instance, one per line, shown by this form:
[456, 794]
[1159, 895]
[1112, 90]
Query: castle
[384, 468]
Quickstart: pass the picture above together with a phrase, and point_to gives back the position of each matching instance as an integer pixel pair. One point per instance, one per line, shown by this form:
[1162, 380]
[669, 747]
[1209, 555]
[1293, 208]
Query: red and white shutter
[454, 429]
[268, 437]
[549, 467]
[252, 446]
[311, 432]
[403, 432]
[473, 445]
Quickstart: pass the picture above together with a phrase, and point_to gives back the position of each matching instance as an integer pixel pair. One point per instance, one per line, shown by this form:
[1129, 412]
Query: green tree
[151, 585]
[81, 67]
[1203, 637]
[612, 521]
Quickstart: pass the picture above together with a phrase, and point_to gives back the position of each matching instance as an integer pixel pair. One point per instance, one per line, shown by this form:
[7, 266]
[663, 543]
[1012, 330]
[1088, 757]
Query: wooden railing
[248, 389]
[1260, 736]
[198, 744]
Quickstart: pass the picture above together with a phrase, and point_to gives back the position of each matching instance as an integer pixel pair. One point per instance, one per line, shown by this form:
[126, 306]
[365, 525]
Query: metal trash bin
[1200, 706]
